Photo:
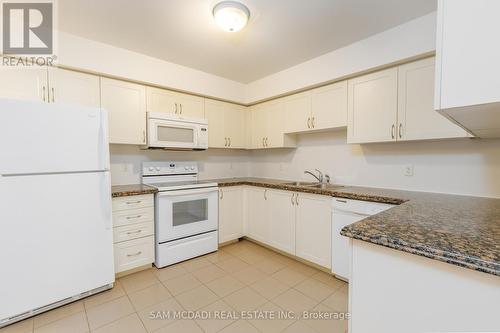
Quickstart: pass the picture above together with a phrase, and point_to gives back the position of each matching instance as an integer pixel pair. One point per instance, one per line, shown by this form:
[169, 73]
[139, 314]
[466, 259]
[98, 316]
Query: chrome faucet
[321, 178]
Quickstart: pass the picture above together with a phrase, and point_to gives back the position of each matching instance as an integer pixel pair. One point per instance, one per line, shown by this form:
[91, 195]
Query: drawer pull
[133, 217]
[134, 232]
[134, 202]
[134, 254]
[343, 201]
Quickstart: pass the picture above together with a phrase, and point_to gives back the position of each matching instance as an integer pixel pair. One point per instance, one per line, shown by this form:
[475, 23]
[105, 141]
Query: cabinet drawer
[132, 202]
[134, 253]
[133, 231]
[133, 216]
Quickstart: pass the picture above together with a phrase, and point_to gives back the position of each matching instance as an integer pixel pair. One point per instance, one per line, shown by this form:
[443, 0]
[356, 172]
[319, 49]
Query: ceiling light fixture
[231, 16]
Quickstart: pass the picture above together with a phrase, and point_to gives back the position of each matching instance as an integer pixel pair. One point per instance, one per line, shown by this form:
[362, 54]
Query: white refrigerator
[56, 241]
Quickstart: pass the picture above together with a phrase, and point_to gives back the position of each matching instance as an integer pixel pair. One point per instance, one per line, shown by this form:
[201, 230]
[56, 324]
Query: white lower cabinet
[296, 223]
[231, 213]
[281, 210]
[133, 231]
[258, 217]
[313, 228]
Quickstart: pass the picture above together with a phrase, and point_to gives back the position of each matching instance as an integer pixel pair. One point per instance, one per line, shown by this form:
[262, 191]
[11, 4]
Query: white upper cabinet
[24, 83]
[214, 111]
[396, 104]
[317, 109]
[191, 106]
[467, 66]
[417, 119]
[73, 88]
[329, 106]
[126, 106]
[267, 126]
[298, 112]
[372, 107]
[227, 123]
[182, 105]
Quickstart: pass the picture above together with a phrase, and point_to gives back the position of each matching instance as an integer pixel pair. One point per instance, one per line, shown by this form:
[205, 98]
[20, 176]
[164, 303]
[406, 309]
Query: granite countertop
[132, 189]
[460, 230]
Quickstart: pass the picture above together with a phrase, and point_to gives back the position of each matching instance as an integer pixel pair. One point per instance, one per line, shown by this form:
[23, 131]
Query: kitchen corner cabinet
[74, 88]
[397, 104]
[267, 126]
[318, 109]
[231, 213]
[313, 229]
[182, 105]
[125, 103]
[417, 119]
[227, 125]
[133, 231]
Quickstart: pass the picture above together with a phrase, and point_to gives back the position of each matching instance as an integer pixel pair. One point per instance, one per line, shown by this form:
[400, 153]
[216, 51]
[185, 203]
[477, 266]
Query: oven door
[172, 134]
[183, 213]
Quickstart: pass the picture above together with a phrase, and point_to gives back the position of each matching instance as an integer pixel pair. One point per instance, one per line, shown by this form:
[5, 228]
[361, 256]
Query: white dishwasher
[345, 212]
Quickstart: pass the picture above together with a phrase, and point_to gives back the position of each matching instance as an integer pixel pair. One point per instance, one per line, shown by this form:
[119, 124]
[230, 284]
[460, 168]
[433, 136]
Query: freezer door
[49, 138]
[56, 238]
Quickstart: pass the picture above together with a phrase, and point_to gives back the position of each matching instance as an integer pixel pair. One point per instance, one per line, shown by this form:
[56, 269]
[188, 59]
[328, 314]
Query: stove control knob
[186, 168]
[151, 168]
[158, 168]
[192, 168]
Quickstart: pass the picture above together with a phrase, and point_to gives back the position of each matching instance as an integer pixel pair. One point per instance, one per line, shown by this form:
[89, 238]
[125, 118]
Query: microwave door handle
[188, 192]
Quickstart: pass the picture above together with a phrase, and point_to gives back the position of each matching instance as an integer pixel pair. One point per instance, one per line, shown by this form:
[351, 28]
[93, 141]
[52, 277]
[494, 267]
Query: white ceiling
[280, 33]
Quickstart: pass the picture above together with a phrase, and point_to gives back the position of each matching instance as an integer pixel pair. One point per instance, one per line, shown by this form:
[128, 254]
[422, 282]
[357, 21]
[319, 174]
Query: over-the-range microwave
[166, 131]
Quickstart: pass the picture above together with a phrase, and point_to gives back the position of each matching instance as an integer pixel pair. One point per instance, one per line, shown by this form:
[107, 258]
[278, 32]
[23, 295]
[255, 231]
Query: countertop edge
[449, 258]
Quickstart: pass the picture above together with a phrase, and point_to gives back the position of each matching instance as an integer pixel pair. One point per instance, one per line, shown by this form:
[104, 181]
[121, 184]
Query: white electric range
[186, 211]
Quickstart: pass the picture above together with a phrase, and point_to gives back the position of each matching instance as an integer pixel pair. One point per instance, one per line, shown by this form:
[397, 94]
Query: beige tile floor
[239, 277]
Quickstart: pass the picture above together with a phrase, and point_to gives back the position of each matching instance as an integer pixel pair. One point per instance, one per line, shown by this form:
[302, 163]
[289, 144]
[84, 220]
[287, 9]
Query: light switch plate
[409, 170]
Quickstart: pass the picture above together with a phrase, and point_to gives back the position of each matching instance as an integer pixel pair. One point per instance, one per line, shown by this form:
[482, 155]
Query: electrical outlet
[409, 170]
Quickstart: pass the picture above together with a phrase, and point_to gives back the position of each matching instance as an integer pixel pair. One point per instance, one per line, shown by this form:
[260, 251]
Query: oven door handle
[188, 192]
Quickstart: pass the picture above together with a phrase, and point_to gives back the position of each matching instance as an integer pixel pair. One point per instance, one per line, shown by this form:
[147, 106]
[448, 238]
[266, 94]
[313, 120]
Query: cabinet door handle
[175, 107]
[267, 145]
[263, 142]
[53, 95]
[143, 136]
[392, 130]
[134, 254]
[133, 202]
[293, 195]
[297, 199]
[221, 194]
[225, 144]
[43, 93]
[229, 142]
[180, 108]
[133, 217]
[312, 122]
[265, 194]
[309, 122]
[400, 130]
[134, 232]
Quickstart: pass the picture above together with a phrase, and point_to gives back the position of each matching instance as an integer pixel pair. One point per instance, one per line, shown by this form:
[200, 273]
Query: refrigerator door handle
[106, 200]
[103, 140]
